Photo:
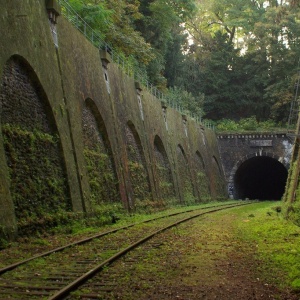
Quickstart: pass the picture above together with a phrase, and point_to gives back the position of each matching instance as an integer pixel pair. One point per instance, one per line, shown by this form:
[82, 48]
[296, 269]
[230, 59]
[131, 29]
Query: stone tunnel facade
[255, 164]
[77, 133]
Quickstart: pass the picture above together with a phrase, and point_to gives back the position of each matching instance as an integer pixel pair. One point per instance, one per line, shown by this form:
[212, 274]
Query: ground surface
[208, 258]
[205, 259]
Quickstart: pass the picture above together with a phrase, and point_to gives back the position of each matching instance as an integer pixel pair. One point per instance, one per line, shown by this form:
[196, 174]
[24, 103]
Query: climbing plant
[38, 183]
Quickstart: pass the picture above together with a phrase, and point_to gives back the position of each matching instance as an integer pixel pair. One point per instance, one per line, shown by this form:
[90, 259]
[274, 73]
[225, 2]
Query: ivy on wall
[203, 186]
[201, 178]
[98, 157]
[185, 177]
[102, 179]
[218, 183]
[37, 180]
[137, 166]
[163, 171]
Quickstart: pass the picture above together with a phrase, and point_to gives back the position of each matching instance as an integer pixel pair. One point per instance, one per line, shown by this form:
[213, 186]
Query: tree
[114, 21]
[265, 37]
[161, 26]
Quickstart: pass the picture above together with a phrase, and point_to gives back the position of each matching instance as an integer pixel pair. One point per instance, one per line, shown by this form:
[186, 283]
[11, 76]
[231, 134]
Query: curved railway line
[56, 273]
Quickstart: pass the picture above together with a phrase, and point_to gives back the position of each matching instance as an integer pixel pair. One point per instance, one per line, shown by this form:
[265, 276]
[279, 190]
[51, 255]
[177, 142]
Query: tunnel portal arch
[259, 176]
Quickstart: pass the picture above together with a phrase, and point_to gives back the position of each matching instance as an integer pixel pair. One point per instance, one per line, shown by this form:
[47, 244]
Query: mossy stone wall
[89, 126]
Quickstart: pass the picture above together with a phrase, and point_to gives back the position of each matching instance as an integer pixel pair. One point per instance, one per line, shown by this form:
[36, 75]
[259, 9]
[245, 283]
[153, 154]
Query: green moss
[166, 186]
[139, 181]
[102, 178]
[37, 179]
[203, 187]
[291, 198]
[276, 241]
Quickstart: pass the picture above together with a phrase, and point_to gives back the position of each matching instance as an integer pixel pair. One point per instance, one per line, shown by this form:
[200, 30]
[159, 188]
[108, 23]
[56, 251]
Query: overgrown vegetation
[140, 181]
[164, 178]
[102, 178]
[247, 124]
[276, 240]
[37, 178]
[221, 59]
[203, 186]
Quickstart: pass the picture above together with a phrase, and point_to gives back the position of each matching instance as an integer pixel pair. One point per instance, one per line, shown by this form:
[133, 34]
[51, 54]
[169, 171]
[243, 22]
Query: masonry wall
[236, 148]
[75, 135]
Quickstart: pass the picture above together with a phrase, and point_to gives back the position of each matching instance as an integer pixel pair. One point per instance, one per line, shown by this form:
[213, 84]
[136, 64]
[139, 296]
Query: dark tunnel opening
[261, 178]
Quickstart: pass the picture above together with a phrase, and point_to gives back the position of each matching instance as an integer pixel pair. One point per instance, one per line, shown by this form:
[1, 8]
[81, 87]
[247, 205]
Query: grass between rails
[277, 243]
[242, 253]
[76, 229]
[214, 252]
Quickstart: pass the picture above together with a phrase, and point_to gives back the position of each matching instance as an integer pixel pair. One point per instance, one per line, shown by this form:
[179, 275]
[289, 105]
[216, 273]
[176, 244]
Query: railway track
[57, 273]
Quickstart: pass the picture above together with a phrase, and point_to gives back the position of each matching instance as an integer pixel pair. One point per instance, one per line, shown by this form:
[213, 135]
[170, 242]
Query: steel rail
[17, 264]
[82, 279]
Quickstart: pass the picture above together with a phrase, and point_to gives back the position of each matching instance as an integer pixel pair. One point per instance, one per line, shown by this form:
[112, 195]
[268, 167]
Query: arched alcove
[163, 170]
[137, 165]
[185, 177]
[98, 156]
[216, 166]
[217, 182]
[38, 181]
[201, 177]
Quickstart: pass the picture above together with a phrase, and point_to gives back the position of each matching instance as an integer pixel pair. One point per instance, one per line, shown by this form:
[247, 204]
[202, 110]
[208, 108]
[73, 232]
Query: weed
[277, 243]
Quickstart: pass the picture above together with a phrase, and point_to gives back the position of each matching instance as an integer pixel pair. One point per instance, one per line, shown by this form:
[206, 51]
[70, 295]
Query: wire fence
[80, 24]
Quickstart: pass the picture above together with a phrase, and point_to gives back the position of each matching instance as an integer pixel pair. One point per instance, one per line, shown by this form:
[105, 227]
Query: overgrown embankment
[248, 252]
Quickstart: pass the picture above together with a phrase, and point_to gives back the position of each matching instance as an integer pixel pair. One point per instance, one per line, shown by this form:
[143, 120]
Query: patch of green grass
[277, 242]
[41, 242]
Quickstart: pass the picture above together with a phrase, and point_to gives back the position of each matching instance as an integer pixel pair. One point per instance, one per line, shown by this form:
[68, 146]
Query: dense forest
[221, 59]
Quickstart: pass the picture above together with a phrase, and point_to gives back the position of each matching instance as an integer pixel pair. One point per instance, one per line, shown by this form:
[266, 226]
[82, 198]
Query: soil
[202, 259]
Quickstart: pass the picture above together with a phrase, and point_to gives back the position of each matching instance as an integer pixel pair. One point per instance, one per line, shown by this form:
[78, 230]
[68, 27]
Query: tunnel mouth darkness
[261, 178]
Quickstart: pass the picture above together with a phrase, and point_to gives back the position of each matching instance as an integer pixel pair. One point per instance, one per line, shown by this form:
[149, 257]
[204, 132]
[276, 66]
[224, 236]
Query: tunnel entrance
[261, 178]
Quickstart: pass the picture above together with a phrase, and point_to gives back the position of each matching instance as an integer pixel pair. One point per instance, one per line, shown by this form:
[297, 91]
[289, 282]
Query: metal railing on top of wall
[72, 16]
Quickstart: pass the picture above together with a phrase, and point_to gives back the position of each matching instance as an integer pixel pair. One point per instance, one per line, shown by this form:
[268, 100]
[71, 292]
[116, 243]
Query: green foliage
[186, 101]
[161, 26]
[242, 63]
[104, 212]
[189, 198]
[37, 178]
[249, 123]
[203, 186]
[166, 186]
[244, 56]
[139, 181]
[246, 124]
[113, 21]
[276, 241]
[227, 125]
[102, 178]
[147, 206]
[95, 13]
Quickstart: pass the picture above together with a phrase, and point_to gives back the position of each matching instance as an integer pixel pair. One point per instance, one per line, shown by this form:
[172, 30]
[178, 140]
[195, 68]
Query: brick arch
[163, 173]
[98, 156]
[137, 166]
[260, 153]
[32, 147]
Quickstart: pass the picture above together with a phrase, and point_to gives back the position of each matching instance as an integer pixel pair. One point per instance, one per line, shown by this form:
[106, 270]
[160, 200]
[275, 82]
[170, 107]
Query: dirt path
[202, 260]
